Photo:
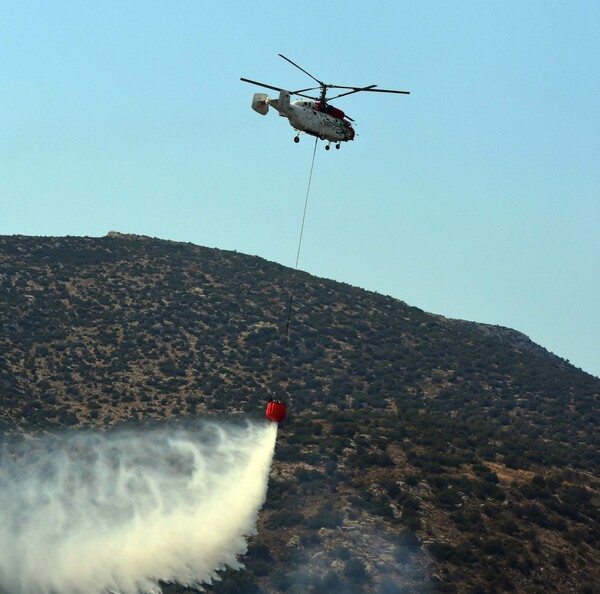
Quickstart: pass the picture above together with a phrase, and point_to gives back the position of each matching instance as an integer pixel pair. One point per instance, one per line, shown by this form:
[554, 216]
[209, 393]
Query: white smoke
[91, 512]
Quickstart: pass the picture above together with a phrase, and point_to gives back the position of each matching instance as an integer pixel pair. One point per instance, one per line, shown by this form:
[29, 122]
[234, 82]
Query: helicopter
[312, 115]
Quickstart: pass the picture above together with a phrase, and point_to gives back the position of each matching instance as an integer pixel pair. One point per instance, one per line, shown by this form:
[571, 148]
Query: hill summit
[421, 453]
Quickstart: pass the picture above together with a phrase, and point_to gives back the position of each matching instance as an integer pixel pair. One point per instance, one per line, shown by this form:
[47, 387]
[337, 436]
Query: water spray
[120, 511]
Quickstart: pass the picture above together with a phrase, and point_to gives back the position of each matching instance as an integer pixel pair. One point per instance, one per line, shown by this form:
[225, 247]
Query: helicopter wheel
[296, 139]
[327, 147]
[337, 146]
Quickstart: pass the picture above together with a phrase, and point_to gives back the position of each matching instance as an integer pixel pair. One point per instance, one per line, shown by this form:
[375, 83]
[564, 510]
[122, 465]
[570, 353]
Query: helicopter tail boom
[282, 104]
[261, 102]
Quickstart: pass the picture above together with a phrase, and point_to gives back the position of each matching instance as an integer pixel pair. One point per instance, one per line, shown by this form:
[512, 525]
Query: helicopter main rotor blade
[300, 68]
[354, 90]
[300, 92]
[369, 88]
[259, 84]
[387, 91]
[303, 95]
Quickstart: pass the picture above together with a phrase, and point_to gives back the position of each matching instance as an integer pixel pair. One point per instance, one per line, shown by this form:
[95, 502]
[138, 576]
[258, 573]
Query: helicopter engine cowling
[260, 103]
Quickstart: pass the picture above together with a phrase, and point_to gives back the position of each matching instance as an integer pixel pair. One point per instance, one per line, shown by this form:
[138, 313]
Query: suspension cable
[289, 316]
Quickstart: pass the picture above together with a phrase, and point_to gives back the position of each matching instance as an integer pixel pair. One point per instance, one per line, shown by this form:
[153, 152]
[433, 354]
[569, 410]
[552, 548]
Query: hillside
[420, 454]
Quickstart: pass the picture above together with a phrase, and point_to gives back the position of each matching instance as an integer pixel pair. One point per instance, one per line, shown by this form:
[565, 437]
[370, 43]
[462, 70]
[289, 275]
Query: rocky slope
[420, 454]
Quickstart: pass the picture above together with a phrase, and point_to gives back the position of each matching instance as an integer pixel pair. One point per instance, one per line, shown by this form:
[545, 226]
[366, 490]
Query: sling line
[289, 316]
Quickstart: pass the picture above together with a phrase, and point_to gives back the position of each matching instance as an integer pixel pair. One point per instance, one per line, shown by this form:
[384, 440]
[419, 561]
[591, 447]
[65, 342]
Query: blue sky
[475, 197]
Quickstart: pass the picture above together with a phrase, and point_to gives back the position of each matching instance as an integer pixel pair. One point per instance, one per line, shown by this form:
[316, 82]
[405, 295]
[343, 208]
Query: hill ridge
[464, 453]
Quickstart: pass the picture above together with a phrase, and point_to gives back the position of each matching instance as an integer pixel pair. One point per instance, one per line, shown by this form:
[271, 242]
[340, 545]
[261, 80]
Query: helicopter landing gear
[327, 147]
[337, 146]
[296, 139]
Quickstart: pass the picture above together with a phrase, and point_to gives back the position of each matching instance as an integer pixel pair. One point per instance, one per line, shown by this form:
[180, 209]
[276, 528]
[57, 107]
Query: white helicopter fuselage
[305, 115]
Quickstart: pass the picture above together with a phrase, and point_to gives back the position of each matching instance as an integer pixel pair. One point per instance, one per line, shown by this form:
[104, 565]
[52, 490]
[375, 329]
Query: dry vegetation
[421, 454]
